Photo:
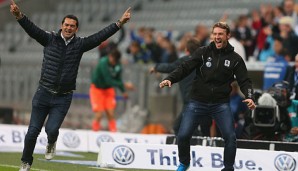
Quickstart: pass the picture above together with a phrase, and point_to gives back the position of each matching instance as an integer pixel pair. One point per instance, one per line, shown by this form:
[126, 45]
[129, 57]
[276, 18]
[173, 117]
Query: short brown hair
[192, 45]
[222, 25]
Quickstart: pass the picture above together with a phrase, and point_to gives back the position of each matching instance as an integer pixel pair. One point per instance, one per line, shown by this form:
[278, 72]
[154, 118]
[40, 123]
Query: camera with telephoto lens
[272, 119]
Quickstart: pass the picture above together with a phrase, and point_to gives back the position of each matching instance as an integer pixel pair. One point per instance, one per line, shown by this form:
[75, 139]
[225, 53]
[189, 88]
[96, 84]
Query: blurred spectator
[138, 37]
[105, 47]
[292, 135]
[139, 54]
[182, 43]
[286, 55]
[169, 53]
[202, 34]
[289, 38]
[278, 13]
[268, 49]
[292, 78]
[238, 46]
[243, 34]
[142, 32]
[276, 67]
[261, 22]
[289, 10]
[145, 47]
[153, 48]
[159, 38]
[107, 75]
[257, 26]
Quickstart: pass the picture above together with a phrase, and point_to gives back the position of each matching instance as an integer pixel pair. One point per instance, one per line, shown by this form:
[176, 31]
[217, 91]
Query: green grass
[11, 162]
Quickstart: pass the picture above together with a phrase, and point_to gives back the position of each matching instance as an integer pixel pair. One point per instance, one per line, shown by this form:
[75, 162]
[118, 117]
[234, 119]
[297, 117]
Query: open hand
[165, 83]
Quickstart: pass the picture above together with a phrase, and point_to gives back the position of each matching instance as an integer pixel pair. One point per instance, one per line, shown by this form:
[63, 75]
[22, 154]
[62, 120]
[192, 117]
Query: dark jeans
[45, 103]
[205, 124]
[224, 119]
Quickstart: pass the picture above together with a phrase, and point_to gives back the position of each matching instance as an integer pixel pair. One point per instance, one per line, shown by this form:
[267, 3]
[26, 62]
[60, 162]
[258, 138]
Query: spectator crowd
[267, 32]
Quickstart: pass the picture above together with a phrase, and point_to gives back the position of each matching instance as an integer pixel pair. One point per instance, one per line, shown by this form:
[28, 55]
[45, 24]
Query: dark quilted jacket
[60, 62]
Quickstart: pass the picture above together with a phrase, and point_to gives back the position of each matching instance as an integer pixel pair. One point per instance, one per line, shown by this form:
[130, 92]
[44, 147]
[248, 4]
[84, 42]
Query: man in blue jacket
[62, 55]
[217, 65]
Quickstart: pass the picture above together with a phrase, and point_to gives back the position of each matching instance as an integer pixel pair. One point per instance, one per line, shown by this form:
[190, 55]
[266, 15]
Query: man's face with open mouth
[220, 37]
[69, 28]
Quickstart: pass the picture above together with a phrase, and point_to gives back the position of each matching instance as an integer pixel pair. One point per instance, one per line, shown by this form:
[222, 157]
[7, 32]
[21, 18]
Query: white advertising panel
[96, 138]
[73, 140]
[68, 140]
[165, 157]
[14, 136]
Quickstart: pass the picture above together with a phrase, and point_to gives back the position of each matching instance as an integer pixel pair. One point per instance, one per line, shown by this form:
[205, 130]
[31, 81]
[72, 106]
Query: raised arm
[94, 40]
[32, 30]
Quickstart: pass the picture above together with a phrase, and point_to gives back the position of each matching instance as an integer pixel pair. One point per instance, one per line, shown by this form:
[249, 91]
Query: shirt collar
[66, 41]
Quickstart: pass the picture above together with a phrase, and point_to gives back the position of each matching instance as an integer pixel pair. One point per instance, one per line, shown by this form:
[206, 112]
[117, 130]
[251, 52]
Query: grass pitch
[11, 162]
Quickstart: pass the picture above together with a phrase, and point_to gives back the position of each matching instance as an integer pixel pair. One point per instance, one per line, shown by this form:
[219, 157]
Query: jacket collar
[228, 49]
[66, 41]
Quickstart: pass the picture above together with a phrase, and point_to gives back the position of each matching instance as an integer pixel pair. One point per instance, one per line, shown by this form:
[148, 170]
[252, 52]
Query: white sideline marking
[105, 169]
[12, 166]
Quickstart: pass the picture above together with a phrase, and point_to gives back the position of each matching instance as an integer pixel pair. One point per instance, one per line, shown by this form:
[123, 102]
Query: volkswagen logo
[71, 140]
[123, 155]
[104, 138]
[285, 162]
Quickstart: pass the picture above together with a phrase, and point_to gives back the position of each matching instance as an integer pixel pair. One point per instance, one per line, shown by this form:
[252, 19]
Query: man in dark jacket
[185, 84]
[62, 55]
[217, 65]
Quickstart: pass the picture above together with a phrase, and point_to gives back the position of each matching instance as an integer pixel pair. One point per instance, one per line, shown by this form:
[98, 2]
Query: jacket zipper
[201, 67]
[58, 87]
[217, 64]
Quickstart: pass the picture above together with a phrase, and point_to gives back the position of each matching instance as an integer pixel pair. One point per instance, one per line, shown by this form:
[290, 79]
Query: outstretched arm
[32, 30]
[178, 74]
[168, 67]
[94, 40]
